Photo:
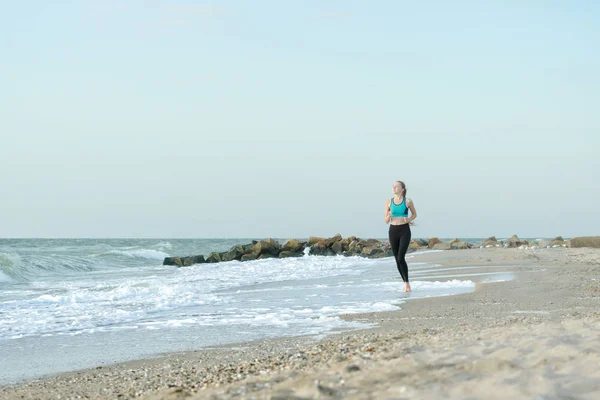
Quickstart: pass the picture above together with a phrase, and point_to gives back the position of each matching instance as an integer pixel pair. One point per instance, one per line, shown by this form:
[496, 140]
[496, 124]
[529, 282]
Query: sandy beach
[536, 336]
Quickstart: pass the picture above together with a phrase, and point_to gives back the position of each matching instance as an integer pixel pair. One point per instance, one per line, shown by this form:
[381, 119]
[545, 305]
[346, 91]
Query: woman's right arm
[387, 214]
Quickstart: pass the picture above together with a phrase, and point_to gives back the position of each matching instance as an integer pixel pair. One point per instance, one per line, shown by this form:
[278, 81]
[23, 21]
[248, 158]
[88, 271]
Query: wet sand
[534, 337]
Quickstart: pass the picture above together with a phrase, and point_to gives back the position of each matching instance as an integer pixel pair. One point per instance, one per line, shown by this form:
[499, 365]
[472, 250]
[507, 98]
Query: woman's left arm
[413, 211]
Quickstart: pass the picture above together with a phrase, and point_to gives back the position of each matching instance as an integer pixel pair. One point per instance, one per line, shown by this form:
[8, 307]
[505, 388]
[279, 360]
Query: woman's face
[397, 188]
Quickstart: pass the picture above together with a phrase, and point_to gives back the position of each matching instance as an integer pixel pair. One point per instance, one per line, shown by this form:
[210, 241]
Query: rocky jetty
[353, 246]
[271, 248]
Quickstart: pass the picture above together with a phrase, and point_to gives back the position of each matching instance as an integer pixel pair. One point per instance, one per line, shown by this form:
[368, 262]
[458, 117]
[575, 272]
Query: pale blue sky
[290, 119]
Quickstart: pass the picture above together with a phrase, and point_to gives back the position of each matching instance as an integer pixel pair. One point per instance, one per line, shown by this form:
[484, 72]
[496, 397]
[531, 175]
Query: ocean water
[68, 304]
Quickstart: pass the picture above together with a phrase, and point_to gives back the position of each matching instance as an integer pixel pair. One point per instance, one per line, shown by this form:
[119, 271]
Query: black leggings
[399, 240]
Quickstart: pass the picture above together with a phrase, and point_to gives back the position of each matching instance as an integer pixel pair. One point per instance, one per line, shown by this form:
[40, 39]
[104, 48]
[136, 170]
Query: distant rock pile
[515, 242]
[436, 244]
[586, 241]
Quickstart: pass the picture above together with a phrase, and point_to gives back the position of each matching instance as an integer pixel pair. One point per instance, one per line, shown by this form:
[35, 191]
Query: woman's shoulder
[408, 200]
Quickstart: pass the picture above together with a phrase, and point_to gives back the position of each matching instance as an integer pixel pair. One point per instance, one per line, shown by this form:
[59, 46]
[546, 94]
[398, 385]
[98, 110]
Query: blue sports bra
[399, 210]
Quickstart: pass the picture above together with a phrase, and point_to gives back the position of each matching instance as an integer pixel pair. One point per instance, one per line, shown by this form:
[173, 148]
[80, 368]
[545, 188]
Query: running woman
[396, 214]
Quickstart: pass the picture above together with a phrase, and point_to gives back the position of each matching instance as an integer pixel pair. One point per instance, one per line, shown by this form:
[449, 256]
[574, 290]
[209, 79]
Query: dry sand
[535, 337]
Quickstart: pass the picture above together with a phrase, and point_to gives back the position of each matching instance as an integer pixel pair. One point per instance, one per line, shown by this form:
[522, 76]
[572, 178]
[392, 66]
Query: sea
[70, 304]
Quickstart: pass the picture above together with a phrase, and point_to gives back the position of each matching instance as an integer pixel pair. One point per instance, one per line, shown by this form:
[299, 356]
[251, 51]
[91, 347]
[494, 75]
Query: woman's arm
[413, 211]
[387, 213]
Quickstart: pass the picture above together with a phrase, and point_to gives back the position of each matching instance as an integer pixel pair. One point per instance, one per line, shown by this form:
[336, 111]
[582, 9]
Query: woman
[396, 214]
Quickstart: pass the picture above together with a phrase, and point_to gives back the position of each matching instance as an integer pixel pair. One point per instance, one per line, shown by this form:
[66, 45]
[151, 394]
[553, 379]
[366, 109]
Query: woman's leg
[404, 242]
[395, 235]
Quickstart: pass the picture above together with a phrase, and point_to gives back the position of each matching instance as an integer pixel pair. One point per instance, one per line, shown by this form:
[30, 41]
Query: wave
[164, 245]
[5, 278]
[148, 254]
[10, 266]
[29, 267]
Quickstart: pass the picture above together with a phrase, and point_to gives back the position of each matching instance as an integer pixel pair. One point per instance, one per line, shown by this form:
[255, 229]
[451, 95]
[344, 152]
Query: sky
[251, 119]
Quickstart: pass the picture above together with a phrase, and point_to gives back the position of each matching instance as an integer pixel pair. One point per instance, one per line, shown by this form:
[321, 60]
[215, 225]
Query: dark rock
[275, 246]
[514, 241]
[557, 241]
[173, 261]
[213, 257]
[353, 247]
[239, 250]
[360, 245]
[371, 242]
[337, 248]
[230, 255]
[432, 242]
[329, 242]
[319, 249]
[382, 253]
[192, 260]
[249, 257]
[417, 244]
[266, 246]
[370, 251]
[460, 245]
[491, 241]
[292, 245]
[344, 243]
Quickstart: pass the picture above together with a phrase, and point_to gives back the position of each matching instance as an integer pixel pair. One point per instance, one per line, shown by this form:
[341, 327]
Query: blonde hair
[403, 188]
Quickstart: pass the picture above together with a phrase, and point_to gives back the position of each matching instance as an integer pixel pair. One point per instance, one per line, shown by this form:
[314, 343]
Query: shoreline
[543, 291]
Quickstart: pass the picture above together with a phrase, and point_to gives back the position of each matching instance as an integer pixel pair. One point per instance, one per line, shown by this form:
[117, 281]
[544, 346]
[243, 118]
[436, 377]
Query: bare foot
[407, 287]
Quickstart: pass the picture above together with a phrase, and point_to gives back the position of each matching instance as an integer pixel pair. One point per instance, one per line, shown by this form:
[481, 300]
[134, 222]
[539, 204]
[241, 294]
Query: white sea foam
[454, 283]
[305, 294]
[416, 253]
[431, 285]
